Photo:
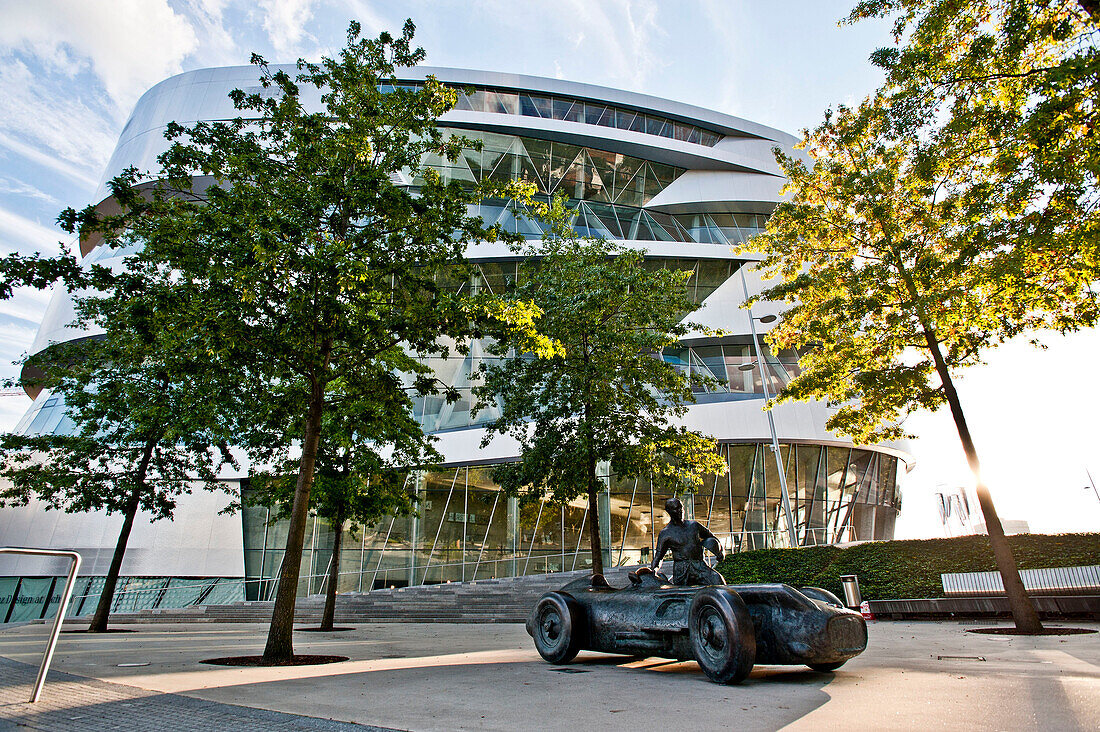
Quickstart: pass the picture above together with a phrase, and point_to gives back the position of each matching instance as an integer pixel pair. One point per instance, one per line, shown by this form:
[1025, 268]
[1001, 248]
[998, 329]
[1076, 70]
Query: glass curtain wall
[465, 528]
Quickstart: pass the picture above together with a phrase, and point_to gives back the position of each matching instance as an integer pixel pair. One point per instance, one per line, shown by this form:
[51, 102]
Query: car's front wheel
[555, 626]
[722, 636]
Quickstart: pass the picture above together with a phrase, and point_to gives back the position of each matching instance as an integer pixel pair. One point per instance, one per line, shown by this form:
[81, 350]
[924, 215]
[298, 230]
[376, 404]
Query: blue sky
[71, 71]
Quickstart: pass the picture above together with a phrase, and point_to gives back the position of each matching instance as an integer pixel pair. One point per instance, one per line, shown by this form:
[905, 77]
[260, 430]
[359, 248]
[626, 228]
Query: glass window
[593, 113]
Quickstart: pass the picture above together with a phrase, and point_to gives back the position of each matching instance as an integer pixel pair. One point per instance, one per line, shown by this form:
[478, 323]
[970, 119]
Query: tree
[955, 208]
[603, 394]
[1011, 87]
[353, 481]
[892, 285]
[307, 269]
[142, 429]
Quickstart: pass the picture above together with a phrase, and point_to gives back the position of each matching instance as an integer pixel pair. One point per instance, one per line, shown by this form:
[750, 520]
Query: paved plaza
[914, 675]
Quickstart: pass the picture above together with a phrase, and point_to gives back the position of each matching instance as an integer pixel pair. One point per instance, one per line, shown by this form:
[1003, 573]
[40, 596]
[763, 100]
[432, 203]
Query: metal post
[786, 500]
[74, 567]
[488, 526]
[442, 518]
[465, 513]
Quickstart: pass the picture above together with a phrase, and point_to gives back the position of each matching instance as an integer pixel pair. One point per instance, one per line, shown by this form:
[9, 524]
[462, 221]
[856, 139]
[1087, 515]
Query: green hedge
[902, 569]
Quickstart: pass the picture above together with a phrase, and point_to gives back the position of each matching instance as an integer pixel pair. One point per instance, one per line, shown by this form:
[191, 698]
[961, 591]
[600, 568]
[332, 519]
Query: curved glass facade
[712, 196]
[467, 529]
[563, 107]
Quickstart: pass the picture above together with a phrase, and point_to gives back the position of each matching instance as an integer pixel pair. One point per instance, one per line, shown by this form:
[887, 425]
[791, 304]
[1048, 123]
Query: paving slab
[433, 676]
[74, 704]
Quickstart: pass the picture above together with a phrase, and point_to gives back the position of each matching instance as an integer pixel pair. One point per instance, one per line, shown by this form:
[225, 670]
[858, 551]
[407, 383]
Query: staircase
[504, 600]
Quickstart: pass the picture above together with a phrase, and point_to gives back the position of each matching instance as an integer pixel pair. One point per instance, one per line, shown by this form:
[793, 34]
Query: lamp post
[785, 500]
[1092, 483]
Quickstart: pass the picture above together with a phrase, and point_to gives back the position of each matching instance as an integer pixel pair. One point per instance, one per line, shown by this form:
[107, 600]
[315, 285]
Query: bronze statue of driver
[687, 540]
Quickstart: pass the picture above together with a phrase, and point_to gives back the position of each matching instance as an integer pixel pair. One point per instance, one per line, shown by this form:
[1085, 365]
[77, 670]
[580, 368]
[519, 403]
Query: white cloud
[217, 44]
[35, 155]
[371, 21]
[12, 408]
[14, 187]
[129, 45]
[26, 304]
[18, 233]
[43, 120]
[285, 22]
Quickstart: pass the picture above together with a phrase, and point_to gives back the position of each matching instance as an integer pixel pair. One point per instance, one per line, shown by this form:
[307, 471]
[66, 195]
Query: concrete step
[505, 599]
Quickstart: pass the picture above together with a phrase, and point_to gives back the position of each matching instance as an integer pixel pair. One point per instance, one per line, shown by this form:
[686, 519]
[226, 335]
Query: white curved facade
[683, 183]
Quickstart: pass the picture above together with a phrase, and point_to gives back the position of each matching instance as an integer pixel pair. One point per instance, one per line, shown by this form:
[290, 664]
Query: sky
[72, 70]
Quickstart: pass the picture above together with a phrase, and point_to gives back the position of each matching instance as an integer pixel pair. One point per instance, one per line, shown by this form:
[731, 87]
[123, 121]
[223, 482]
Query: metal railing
[74, 567]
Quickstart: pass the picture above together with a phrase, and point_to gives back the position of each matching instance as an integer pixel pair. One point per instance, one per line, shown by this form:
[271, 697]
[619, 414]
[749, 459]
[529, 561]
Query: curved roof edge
[680, 111]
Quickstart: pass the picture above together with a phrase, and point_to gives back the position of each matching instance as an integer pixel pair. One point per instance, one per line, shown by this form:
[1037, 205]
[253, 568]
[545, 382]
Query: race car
[726, 628]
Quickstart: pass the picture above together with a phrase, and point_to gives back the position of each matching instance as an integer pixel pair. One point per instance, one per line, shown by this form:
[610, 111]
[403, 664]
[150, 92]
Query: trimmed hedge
[890, 570]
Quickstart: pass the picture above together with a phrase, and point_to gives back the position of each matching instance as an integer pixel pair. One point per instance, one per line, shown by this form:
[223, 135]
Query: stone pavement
[433, 676]
[75, 704]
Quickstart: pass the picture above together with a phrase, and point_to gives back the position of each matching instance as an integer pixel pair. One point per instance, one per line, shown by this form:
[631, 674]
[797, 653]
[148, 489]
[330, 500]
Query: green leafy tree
[892, 286]
[603, 394]
[143, 430]
[955, 208]
[305, 267]
[353, 482]
[1010, 91]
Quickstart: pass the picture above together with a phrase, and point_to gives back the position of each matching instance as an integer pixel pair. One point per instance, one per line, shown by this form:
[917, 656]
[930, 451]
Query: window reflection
[465, 528]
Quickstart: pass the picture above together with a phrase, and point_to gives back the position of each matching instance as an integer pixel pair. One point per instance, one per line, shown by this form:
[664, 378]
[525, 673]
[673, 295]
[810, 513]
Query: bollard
[850, 583]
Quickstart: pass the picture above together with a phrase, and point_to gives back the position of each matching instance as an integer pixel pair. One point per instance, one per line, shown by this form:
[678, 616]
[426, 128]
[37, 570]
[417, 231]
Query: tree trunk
[280, 635]
[110, 582]
[329, 615]
[1023, 611]
[593, 490]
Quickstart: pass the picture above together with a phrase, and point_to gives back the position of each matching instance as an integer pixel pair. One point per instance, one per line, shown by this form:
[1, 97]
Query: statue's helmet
[673, 505]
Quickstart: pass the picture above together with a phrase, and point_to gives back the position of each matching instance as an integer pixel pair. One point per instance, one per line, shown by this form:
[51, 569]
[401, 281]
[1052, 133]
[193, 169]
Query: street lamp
[786, 500]
[1092, 484]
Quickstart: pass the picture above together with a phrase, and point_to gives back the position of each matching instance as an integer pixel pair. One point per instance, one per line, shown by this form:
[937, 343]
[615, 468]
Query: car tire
[722, 636]
[817, 593]
[827, 666]
[556, 627]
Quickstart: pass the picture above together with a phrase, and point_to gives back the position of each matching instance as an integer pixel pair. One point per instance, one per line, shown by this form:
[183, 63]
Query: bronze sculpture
[726, 628]
[687, 540]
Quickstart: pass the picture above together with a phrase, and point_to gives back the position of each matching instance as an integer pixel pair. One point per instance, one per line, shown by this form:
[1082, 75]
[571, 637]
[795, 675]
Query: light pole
[1092, 483]
[786, 500]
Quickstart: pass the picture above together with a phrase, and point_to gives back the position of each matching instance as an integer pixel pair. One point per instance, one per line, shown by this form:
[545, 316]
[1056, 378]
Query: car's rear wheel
[722, 636]
[827, 666]
[556, 625]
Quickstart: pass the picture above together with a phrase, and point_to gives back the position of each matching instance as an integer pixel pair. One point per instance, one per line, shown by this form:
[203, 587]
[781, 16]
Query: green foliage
[307, 277]
[893, 289]
[17, 270]
[600, 393]
[1009, 91]
[353, 481]
[144, 425]
[904, 569]
[954, 208]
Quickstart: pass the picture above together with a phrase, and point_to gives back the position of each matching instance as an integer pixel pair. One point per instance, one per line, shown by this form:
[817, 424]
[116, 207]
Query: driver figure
[686, 540]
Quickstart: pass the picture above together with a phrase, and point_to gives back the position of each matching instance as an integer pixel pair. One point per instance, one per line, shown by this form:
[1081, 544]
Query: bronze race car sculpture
[727, 629]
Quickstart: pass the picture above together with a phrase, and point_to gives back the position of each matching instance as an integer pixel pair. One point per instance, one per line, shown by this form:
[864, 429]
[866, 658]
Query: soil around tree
[297, 660]
[334, 629]
[1044, 631]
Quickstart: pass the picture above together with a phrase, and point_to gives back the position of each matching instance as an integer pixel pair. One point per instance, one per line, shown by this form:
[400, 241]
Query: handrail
[60, 617]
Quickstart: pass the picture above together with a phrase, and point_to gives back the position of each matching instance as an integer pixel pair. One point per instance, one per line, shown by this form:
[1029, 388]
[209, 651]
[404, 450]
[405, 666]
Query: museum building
[683, 183]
